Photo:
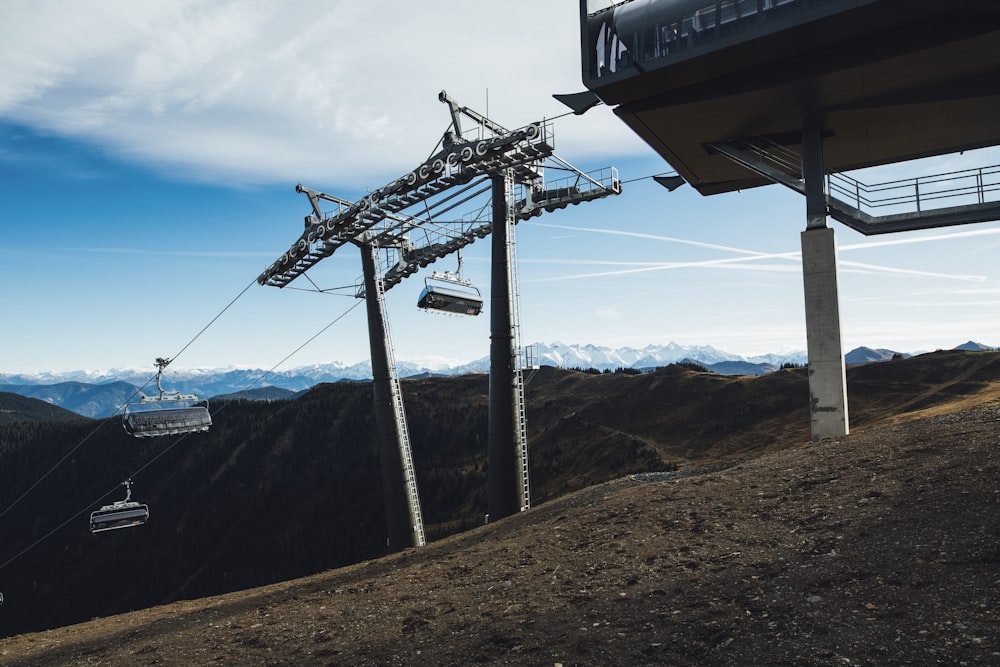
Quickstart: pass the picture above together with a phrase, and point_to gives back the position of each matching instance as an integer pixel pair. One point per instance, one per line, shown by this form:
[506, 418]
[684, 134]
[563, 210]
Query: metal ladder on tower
[519, 362]
[399, 415]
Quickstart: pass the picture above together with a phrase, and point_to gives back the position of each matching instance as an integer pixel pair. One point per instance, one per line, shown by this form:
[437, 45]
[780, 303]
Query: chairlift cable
[52, 532]
[68, 454]
[221, 312]
[160, 454]
[470, 197]
[642, 178]
[331, 291]
[57, 464]
[137, 392]
[172, 420]
[482, 184]
[562, 115]
[250, 386]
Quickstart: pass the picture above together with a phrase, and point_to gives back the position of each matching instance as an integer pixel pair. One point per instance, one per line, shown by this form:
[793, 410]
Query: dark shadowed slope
[17, 408]
[283, 489]
[874, 549]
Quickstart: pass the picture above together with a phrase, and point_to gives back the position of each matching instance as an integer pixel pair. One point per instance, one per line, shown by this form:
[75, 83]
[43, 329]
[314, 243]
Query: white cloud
[270, 91]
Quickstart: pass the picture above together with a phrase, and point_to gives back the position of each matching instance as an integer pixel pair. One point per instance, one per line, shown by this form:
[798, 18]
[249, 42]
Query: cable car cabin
[122, 514]
[151, 422]
[451, 300]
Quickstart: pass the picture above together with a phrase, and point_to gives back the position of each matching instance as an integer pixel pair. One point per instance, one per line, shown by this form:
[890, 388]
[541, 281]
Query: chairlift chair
[169, 413]
[120, 514]
[450, 293]
[453, 295]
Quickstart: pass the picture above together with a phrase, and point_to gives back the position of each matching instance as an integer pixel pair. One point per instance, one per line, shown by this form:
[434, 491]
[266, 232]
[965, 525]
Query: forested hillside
[14, 407]
[280, 489]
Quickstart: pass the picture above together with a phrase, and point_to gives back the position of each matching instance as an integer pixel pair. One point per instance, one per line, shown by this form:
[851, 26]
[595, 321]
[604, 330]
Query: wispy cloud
[168, 253]
[279, 91]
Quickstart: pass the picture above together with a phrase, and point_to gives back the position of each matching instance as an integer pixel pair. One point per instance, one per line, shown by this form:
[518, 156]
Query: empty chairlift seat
[169, 413]
[118, 515]
[121, 514]
[450, 294]
[145, 420]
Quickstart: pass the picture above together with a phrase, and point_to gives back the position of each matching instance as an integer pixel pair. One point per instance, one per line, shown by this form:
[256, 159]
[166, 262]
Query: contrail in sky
[921, 239]
[755, 255]
[911, 272]
[853, 246]
[656, 237]
[731, 262]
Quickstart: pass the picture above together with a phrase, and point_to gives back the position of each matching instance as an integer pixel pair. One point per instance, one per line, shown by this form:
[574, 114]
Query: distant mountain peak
[99, 393]
[973, 346]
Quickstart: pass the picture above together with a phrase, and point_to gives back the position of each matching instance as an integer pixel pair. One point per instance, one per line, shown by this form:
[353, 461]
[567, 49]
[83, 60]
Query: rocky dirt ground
[880, 548]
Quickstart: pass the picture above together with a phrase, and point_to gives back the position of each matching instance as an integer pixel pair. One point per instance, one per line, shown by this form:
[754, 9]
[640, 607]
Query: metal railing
[977, 185]
[906, 196]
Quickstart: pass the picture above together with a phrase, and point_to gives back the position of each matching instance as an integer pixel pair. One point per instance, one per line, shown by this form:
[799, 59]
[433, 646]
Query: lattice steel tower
[479, 180]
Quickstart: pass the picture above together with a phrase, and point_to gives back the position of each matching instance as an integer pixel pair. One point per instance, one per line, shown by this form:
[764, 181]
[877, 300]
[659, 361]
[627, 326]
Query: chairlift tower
[477, 180]
[508, 489]
[405, 525]
[742, 93]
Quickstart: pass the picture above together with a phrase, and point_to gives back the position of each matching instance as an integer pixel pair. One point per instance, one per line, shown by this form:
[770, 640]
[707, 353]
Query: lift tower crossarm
[457, 110]
[460, 171]
[314, 197]
[415, 220]
[462, 163]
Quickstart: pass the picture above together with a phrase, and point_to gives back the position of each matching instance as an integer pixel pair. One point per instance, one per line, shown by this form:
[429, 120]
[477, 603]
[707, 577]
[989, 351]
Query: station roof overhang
[885, 80]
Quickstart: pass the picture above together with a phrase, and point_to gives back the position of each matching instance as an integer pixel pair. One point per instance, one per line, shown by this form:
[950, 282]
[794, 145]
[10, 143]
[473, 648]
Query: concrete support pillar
[502, 458]
[827, 370]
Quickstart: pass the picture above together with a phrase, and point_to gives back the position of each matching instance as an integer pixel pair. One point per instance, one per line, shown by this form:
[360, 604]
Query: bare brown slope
[687, 418]
[878, 548]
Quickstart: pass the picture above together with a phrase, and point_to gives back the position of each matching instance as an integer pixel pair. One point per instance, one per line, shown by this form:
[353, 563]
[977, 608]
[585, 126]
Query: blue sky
[149, 154]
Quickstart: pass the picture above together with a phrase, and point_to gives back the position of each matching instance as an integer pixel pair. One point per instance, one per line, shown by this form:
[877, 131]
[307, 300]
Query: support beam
[402, 509]
[814, 178]
[502, 480]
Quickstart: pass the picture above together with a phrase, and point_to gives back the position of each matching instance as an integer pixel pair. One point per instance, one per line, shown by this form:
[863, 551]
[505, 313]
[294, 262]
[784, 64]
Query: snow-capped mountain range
[99, 393]
[227, 380]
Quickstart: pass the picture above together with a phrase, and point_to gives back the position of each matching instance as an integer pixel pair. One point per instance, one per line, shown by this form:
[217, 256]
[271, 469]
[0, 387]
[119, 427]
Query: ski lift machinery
[450, 293]
[120, 514]
[169, 413]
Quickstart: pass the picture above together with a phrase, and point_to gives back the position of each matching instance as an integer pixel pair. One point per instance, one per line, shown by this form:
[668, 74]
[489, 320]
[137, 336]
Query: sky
[149, 154]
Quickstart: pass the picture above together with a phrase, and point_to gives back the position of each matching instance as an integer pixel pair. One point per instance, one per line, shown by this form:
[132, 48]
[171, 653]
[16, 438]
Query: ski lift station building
[885, 80]
[736, 94]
